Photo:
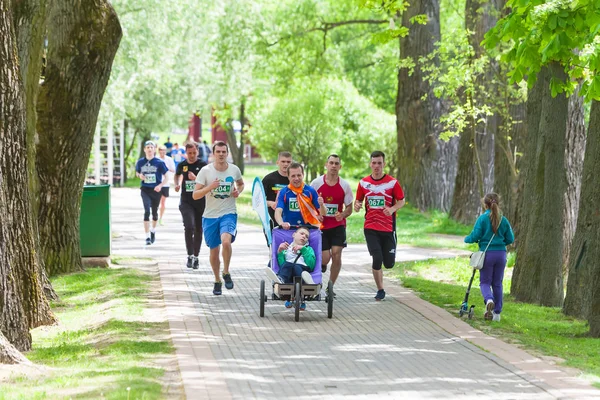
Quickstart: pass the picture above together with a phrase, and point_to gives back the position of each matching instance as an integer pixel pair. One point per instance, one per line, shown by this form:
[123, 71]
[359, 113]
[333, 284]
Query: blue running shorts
[214, 227]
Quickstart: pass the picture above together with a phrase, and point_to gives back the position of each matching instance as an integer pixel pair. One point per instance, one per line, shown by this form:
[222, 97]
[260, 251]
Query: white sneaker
[495, 317]
[272, 275]
[489, 310]
[307, 278]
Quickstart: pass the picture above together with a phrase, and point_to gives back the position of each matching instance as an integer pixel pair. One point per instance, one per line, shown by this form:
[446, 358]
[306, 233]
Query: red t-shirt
[384, 192]
[336, 197]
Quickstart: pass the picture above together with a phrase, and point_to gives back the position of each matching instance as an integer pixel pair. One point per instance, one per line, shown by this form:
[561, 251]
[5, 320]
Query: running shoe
[217, 288]
[489, 309]
[190, 261]
[195, 263]
[152, 236]
[228, 281]
[307, 278]
[160, 222]
[495, 317]
[302, 306]
[148, 242]
[380, 295]
[289, 304]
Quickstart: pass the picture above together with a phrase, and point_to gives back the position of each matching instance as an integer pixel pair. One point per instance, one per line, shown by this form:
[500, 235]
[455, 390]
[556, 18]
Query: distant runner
[191, 210]
[275, 181]
[153, 173]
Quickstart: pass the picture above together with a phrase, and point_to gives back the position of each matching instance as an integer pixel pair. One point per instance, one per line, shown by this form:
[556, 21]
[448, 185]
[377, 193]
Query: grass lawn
[413, 227]
[111, 342]
[545, 330]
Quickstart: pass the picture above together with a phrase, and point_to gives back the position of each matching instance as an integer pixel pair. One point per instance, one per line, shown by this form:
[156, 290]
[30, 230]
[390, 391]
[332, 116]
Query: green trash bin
[94, 221]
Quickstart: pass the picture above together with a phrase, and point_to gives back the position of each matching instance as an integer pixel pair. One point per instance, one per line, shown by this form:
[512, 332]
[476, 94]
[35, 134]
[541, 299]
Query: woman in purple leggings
[492, 231]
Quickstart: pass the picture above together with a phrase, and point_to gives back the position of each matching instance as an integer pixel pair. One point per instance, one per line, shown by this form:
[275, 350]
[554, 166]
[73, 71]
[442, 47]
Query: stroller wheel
[263, 298]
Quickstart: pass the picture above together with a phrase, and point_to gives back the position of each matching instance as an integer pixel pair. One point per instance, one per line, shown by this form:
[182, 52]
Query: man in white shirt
[221, 183]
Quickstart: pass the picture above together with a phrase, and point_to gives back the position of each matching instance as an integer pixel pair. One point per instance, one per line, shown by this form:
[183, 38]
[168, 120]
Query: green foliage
[389, 6]
[315, 119]
[563, 31]
[456, 74]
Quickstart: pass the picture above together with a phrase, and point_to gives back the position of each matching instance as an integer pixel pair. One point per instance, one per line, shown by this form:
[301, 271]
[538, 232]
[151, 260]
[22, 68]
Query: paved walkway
[401, 348]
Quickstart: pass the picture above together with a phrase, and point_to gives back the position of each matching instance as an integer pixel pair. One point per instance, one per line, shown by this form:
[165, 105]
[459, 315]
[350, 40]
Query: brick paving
[401, 348]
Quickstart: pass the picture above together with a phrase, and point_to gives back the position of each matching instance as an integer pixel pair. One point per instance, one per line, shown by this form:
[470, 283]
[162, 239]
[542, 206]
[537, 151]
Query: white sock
[153, 230]
[147, 235]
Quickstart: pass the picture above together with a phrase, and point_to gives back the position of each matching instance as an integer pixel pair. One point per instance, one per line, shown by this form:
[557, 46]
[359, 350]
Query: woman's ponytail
[492, 203]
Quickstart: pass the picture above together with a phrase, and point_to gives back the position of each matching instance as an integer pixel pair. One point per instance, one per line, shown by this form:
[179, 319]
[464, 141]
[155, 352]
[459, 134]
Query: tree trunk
[473, 180]
[538, 271]
[243, 131]
[510, 137]
[22, 302]
[237, 152]
[575, 147]
[82, 42]
[466, 200]
[583, 299]
[9, 353]
[30, 20]
[426, 164]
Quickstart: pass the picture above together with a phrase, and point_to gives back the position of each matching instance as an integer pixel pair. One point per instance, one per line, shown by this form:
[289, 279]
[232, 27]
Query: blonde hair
[492, 203]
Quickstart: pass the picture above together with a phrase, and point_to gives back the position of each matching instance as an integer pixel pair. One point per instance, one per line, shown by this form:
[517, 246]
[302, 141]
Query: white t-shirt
[219, 201]
[171, 167]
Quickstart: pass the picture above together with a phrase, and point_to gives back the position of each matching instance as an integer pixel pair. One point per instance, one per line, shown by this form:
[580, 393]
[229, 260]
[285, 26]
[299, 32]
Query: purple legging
[490, 277]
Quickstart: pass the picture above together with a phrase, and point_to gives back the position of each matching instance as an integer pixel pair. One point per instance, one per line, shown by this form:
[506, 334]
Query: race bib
[332, 209]
[293, 206]
[223, 190]
[376, 202]
[190, 186]
[150, 178]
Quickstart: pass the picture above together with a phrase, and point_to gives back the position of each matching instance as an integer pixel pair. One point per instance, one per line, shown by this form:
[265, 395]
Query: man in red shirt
[384, 197]
[335, 195]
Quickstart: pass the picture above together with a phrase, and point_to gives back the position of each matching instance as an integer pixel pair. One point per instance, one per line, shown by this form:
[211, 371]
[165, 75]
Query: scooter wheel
[461, 312]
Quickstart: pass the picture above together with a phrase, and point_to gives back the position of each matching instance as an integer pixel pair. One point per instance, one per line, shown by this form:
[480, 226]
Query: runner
[275, 181]
[153, 173]
[221, 183]
[384, 197]
[191, 210]
[337, 200]
[177, 154]
[297, 203]
[162, 154]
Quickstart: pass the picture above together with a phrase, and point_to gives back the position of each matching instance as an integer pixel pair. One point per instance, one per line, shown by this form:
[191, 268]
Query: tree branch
[327, 26]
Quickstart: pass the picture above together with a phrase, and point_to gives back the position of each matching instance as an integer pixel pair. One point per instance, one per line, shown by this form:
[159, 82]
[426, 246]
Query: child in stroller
[295, 259]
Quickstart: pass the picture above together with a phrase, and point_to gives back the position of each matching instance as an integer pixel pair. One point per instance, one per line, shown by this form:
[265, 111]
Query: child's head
[490, 199]
[301, 236]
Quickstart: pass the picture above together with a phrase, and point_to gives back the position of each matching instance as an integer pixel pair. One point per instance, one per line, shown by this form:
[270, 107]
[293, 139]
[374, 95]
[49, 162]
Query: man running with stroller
[297, 203]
